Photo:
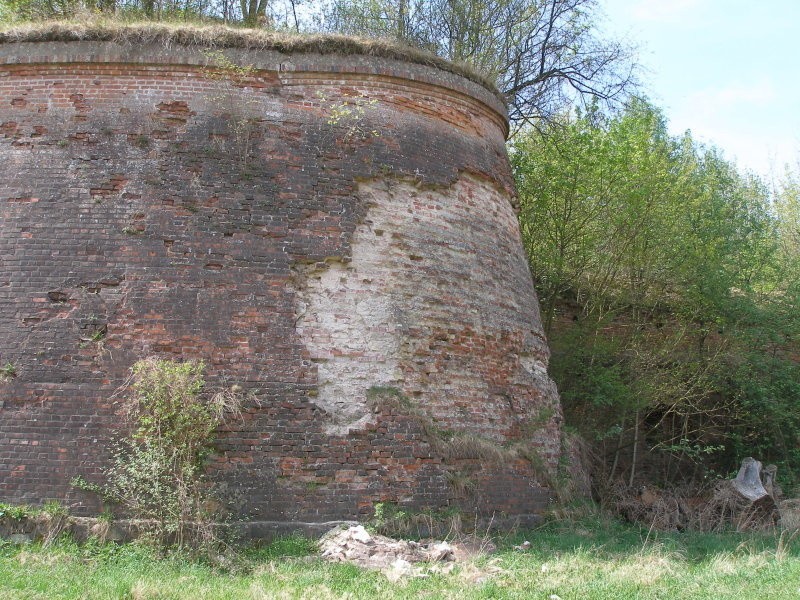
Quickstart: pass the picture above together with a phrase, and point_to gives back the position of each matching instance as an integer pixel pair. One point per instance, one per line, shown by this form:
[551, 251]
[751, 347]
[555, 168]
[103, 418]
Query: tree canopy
[668, 283]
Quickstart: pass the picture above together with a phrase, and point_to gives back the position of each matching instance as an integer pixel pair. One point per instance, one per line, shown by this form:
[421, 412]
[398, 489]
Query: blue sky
[728, 70]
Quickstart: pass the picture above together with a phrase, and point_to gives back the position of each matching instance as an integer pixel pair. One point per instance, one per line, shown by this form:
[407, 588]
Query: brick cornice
[292, 68]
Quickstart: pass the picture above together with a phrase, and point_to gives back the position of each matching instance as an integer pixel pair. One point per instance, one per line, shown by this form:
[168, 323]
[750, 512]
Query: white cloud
[735, 118]
[765, 153]
[664, 10]
[712, 100]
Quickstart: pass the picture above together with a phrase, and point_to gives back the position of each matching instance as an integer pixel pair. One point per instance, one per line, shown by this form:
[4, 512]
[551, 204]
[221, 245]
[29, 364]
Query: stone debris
[526, 545]
[396, 558]
[400, 569]
[748, 482]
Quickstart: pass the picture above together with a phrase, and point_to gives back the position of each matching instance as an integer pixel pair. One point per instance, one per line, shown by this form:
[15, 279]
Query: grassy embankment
[589, 559]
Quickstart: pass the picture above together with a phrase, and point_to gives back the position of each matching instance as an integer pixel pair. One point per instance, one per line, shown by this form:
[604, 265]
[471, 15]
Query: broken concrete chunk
[748, 481]
[359, 534]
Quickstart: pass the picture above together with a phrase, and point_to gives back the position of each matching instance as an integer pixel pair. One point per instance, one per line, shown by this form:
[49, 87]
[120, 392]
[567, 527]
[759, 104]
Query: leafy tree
[668, 286]
[593, 208]
[787, 208]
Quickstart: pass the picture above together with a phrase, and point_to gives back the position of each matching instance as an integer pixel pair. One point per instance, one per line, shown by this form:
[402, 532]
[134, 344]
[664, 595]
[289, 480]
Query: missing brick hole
[93, 332]
[58, 297]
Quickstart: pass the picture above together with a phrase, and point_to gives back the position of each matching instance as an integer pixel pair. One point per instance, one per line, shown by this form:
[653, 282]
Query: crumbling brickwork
[334, 235]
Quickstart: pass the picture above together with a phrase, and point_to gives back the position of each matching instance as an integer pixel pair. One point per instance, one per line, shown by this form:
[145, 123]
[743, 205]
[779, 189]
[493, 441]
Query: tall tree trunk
[294, 14]
[254, 12]
[402, 12]
[635, 447]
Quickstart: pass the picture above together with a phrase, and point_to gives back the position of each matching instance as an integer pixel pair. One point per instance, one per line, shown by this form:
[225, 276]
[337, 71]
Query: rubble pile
[356, 545]
[397, 558]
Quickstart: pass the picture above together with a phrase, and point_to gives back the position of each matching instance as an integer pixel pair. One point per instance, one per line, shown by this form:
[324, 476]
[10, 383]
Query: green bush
[157, 471]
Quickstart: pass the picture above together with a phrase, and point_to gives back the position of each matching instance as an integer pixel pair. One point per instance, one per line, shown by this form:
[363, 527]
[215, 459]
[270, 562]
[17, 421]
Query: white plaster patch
[436, 287]
[347, 321]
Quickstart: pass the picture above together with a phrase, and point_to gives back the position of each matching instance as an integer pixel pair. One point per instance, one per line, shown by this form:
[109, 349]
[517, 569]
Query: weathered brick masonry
[321, 230]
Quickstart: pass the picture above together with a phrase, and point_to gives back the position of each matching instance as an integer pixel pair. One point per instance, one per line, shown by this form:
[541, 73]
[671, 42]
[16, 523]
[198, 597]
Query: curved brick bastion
[333, 234]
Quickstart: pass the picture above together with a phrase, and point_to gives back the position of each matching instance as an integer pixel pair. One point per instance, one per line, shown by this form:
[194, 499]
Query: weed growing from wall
[157, 471]
[391, 520]
[8, 372]
[236, 106]
[349, 115]
[45, 523]
[16, 512]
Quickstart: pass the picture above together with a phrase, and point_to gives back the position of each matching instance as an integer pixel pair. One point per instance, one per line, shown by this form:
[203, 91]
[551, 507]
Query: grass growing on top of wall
[221, 36]
[592, 558]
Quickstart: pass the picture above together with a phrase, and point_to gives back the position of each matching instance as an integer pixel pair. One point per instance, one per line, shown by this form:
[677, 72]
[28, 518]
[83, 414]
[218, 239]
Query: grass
[593, 558]
[7, 371]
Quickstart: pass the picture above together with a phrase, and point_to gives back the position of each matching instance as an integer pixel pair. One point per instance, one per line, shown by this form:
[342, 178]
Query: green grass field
[588, 559]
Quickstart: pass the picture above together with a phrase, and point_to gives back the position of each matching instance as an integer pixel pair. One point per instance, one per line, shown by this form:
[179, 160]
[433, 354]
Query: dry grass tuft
[713, 509]
[221, 36]
[466, 446]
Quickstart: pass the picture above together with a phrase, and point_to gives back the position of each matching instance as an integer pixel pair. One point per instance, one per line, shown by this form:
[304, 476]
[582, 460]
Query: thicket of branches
[544, 54]
[670, 289]
[250, 13]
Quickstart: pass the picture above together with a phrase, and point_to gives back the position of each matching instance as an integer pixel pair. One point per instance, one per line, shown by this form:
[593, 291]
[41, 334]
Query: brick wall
[324, 232]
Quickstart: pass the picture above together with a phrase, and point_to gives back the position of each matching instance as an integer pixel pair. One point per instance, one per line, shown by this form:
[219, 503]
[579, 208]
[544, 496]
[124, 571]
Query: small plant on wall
[238, 107]
[8, 372]
[350, 115]
[157, 471]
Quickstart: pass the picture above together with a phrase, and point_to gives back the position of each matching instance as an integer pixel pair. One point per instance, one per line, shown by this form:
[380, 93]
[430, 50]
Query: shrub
[157, 472]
